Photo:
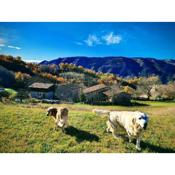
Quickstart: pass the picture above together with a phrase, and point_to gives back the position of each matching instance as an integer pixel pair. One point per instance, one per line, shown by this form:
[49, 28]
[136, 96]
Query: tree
[21, 79]
[108, 79]
[14, 64]
[163, 92]
[134, 80]
[60, 79]
[145, 85]
[64, 66]
[128, 90]
[53, 78]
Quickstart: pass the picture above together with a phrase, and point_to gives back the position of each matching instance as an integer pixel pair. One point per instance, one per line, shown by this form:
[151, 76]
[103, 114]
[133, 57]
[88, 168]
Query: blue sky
[46, 41]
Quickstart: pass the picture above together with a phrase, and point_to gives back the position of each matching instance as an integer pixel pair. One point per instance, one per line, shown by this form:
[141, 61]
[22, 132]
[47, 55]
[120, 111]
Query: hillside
[123, 66]
[16, 73]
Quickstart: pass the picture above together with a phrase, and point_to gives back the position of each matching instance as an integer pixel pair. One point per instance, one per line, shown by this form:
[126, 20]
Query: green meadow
[25, 128]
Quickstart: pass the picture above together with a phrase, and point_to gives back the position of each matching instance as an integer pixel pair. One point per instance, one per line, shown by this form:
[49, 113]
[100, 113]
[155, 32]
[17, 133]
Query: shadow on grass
[139, 104]
[157, 149]
[81, 135]
[146, 145]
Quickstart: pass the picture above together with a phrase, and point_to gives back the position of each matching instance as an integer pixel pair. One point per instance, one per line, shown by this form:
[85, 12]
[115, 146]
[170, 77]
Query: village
[68, 83]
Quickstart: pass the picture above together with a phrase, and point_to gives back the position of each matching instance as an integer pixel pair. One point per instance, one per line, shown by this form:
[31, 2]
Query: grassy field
[26, 128]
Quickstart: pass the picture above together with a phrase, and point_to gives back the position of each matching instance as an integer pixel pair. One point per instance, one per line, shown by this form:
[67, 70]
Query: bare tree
[145, 85]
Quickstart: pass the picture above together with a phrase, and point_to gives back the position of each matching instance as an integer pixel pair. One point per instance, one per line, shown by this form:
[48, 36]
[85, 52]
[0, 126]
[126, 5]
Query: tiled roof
[94, 88]
[41, 85]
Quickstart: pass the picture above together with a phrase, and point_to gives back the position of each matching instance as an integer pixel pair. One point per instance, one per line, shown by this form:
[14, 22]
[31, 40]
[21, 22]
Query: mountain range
[123, 66]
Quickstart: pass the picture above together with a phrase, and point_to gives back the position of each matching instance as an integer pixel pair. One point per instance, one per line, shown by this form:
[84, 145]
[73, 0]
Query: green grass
[26, 128]
[11, 91]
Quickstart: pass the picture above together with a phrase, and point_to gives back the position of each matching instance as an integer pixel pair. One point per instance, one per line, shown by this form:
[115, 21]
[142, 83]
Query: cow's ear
[133, 121]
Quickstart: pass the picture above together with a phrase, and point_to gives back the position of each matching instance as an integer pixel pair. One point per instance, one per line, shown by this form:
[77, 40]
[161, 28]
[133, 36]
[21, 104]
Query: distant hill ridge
[123, 66]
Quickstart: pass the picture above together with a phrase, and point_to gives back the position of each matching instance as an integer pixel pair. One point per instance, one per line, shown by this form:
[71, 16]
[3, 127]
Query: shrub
[82, 98]
[4, 94]
[76, 99]
[22, 94]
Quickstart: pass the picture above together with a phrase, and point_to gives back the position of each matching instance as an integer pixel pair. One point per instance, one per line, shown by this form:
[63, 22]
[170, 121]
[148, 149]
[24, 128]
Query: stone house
[42, 90]
[101, 94]
[68, 92]
[94, 94]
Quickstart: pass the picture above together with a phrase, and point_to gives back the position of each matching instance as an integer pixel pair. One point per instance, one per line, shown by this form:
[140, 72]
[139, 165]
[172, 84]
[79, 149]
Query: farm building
[102, 93]
[42, 90]
[68, 92]
[95, 93]
[116, 96]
